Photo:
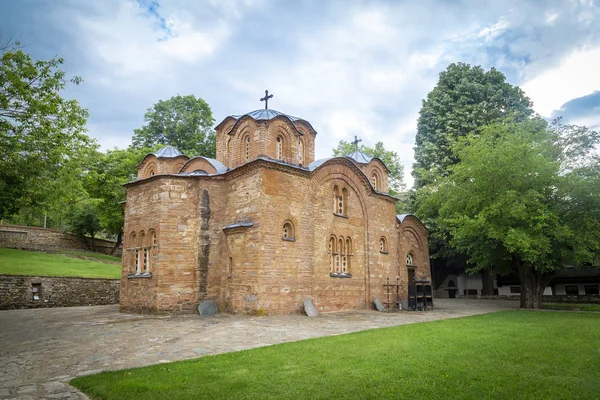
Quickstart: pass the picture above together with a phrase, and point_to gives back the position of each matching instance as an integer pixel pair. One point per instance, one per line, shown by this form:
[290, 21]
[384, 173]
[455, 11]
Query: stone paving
[42, 349]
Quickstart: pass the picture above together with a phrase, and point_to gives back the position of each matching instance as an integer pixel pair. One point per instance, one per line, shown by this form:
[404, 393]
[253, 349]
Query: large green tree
[390, 159]
[464, 100]
[184, 122]
[42, 139]
[523, 198]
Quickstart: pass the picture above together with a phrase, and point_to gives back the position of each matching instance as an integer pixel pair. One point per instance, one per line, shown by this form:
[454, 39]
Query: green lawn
[571, 306]
[21, 262]
[507, 355]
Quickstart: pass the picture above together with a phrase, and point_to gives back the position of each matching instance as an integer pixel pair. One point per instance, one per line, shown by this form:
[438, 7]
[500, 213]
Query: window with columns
[279, 148]
[340, 201]
[340, 254]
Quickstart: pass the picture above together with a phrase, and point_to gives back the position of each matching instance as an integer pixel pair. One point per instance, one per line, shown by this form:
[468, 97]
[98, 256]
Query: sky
[348, 67]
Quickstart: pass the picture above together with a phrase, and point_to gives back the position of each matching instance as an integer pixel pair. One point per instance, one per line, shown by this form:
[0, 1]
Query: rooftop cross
[266, 99]
[356, 142]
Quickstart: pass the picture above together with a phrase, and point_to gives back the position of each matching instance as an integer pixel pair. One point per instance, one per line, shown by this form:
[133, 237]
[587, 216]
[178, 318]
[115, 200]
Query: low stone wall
[34, 238]
[581, 299]
[19, 291]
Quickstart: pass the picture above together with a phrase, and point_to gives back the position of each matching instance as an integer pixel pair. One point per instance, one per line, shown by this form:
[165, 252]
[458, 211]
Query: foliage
[389, 158]
[184, 122]
[507, 355]
[42, 140]
[84, 220]
[522, 198]
[32, 263]
[464, 100]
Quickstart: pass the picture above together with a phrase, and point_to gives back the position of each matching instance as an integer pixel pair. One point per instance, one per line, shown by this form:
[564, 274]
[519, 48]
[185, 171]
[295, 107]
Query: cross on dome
[356, 141]
[266, 99]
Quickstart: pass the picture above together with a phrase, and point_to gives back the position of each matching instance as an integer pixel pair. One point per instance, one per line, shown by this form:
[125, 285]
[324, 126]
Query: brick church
[264, 226]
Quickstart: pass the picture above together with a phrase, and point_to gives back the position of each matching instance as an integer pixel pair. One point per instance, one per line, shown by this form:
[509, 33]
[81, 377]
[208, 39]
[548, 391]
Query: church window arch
[288, 231]
[229, 151]
[374, 181]
[279, 147]
[344, 206]
[150, 170]
[246, 148]
[383, 245]
[142, 256]
[340, 264]
[300, 152]
[410, 259]
[348, 254]
[340, 201]
[332, 251]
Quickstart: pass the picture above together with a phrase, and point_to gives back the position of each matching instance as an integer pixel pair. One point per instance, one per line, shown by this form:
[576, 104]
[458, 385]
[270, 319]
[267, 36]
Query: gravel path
[42, 349]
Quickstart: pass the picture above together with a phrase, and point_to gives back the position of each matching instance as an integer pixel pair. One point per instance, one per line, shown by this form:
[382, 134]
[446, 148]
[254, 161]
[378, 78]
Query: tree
[42, 135]
[389, 158]
[523, 198]
[465, 100]
[83, 220]
[184, 122]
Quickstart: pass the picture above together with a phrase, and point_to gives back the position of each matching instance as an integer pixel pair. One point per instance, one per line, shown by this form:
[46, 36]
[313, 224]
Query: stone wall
[18, 291]
[581, 299]
[35, 238]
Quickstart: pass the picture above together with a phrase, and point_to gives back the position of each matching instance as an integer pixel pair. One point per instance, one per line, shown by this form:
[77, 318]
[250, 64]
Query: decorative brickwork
[256, 237]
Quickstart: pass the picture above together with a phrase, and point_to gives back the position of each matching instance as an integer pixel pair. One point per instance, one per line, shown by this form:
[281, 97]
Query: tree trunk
[487, 280]
[93, 242]
[116, 246]
[533, 284]
[86, 242]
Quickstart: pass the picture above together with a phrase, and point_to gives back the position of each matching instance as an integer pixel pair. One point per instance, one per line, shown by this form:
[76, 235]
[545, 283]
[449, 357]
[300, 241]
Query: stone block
[310, 309]
[208, 308]
[378, 305]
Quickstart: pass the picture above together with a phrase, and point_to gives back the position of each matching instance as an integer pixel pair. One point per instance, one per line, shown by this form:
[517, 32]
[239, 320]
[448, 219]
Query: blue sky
[349, 67]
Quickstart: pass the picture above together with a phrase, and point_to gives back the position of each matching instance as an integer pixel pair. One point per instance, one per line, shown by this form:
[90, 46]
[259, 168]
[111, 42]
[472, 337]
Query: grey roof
[219, 166]
[317, 163]
[239, 224]
[360, 157]
[197, 172]
[168, 152]
[401, 217]
[266, 115]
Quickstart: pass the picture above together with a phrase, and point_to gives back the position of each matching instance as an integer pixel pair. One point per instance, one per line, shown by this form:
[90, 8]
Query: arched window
[332, 251]
[409, 259]
[288, 231]
[348, 252]
[383, 247]
[374, 181]
[229, 151]
[279, 148]
[135, 252]
[247, 154]
[340, 201]
[151, 172]
[344, 202]
[142, 255]
[300, 152]
[341, 260]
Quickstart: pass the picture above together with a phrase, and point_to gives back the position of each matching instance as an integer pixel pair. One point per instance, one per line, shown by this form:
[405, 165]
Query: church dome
[168, 152]
[360, 157]
[264, 115]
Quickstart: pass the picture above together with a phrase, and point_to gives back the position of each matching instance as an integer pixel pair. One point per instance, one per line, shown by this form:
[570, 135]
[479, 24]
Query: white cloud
[576, 76]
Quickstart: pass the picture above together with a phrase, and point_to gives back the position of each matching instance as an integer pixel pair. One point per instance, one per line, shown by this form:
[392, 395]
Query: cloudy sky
[349, 67]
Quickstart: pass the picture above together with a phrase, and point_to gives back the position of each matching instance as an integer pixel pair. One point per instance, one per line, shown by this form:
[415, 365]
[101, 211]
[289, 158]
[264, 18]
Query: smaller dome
[168, 152]
[360, 157]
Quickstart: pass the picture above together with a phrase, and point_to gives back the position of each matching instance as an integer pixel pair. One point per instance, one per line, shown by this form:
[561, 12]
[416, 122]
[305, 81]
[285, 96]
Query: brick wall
[17, 291]
[35, 238]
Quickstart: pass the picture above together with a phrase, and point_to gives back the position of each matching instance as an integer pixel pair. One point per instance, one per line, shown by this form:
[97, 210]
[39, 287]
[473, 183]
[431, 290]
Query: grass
[507, 355]
[91, 256]
[21, 262]
[571, 306]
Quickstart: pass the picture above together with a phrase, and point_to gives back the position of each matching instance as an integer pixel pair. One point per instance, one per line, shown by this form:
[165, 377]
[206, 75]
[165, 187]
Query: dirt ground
[42, 349]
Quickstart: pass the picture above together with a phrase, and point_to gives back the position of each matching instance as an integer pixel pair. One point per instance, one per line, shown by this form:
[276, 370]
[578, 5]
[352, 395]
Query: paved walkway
[41, 349]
